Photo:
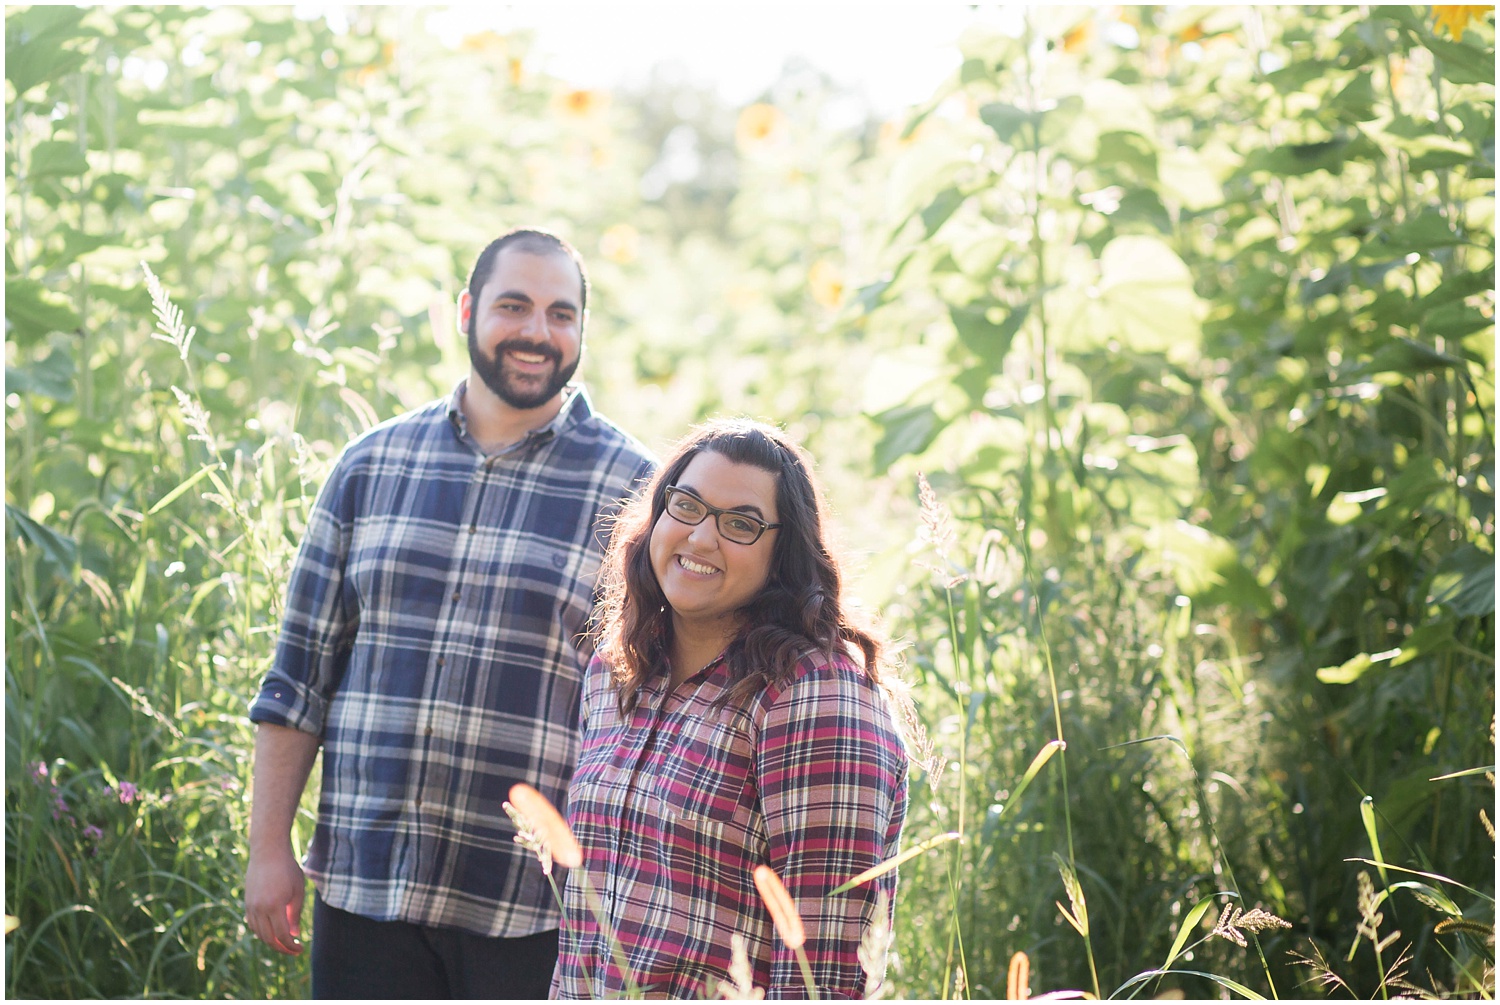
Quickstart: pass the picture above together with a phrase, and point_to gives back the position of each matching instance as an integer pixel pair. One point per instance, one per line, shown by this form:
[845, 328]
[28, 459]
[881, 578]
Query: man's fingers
[276, 935]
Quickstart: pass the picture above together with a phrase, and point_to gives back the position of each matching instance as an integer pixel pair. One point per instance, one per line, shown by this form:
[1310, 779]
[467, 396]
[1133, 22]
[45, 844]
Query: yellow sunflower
[1456, 16]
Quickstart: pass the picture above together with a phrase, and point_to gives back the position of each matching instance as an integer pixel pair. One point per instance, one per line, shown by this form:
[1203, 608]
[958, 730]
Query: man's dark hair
[533, 242]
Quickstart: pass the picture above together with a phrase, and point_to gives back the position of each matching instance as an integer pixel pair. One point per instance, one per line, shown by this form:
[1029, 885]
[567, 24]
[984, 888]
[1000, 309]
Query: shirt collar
[576, 408]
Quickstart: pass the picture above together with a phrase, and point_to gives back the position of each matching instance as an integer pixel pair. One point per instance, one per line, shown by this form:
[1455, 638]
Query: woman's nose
[706, 531]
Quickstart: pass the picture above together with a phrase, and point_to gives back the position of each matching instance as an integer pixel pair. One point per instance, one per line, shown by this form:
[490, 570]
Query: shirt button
[427, 731]
[456, 594]
[441, 661]
[473, 529]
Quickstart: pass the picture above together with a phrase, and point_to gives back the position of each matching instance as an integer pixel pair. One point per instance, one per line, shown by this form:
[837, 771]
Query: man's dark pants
[354, 957]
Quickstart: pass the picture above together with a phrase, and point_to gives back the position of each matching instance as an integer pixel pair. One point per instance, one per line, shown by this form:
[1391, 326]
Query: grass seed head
[547, 825]
[741, 983]
[783, 910]
[1018, 978]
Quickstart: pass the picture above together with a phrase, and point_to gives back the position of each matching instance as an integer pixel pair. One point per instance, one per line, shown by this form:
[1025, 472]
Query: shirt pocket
[706, 780]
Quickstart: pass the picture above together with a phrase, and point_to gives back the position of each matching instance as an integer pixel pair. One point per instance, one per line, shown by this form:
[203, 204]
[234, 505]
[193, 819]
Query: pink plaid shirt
[676, 805]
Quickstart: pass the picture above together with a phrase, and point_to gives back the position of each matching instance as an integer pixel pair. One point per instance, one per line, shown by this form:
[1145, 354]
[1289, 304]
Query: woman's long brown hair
[799, 611]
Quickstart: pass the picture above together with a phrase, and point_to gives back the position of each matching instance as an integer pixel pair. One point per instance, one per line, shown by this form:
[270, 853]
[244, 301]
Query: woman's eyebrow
[743, 508]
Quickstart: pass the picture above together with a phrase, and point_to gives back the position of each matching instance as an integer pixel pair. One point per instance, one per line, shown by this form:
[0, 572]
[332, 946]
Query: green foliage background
[1185, 312]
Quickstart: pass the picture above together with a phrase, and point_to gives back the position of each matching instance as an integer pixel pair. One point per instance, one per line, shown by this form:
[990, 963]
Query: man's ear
[465, 310]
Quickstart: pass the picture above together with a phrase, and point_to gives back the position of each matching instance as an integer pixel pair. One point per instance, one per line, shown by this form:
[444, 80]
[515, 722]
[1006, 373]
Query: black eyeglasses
[741, 528]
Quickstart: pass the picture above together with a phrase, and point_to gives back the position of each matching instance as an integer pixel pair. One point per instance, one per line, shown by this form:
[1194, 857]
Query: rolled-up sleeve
[832, 779]
[317, 628]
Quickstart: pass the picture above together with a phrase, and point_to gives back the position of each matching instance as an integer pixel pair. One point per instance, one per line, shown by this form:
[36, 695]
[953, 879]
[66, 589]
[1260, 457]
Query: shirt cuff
[281, 704]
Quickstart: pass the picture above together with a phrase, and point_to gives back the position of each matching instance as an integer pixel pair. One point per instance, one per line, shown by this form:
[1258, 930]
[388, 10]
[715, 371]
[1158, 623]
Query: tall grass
[1157, 868]
[137, 632]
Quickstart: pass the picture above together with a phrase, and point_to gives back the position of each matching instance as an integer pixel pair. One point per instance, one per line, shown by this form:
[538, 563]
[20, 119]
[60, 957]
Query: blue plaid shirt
[434, 639]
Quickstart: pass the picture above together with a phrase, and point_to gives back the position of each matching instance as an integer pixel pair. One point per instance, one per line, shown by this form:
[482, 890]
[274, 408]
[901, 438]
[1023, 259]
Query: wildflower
[128, 793]
[759, 125]
[92, 833]
[546, 825]
[1079, 36]
[1455, 17]
[61, 810]
[783, 909]
[483, 42]
[826, 283]
[39, 772]
[581, 104]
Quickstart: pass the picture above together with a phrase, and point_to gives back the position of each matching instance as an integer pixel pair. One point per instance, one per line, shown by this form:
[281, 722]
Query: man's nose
[535, 326]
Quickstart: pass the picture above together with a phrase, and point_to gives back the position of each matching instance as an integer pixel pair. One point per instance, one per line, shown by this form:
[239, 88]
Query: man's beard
[507, 388]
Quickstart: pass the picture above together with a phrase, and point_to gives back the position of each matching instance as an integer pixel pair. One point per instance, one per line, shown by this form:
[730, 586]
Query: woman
[733, 716]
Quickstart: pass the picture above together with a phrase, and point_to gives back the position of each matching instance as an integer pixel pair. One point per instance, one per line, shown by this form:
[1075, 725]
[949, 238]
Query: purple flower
[128, 793]
[92, 833]
[39, 771]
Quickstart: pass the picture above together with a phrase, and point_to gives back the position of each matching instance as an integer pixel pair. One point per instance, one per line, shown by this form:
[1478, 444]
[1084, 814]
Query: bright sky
[896, 54]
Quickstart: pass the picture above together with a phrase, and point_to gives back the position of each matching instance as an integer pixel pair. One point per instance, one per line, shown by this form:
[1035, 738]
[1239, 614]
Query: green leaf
[985, 339]
[34, 51]
[891, 863]
[1367, 816]
[1188, 181]
[1356, 102]
[1301, 158]
[1431, 896]
[941, 208]
[182, 487]
[1431, 637]
[1185, 932]
[907, 429]
[872, 296]
[1406, 357]
[1207, 567]
[1234, 986]
[1347, 672]
[1488, 769]
[1458, 63]
[61, 548]
[1418, 233]
[57, 157]
[1489, 898]
[1454, 321]
[1465, 582]
[1148, 291]
[1008, 120]
[52, 377]
[31, 311]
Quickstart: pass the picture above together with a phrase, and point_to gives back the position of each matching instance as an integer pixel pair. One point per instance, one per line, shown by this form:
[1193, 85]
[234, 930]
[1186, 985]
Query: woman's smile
[707, 578]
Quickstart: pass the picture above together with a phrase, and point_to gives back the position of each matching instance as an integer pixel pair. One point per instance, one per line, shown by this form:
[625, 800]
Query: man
[433, 645]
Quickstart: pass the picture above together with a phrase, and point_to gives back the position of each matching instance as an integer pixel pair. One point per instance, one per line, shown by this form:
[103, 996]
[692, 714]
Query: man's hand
[274, 890]
[274, 884]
